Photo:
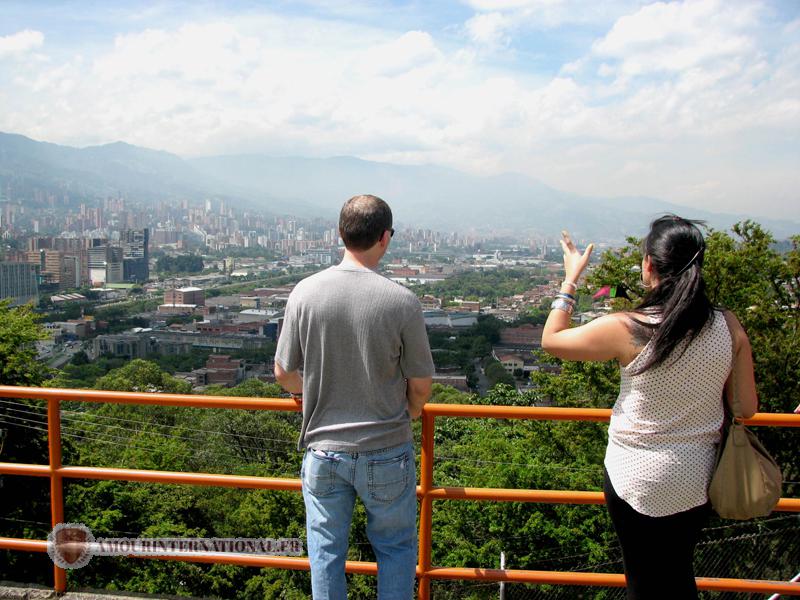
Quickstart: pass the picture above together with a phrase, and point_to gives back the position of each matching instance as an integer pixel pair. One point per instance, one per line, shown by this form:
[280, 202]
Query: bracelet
[565, 299]
[571, 284]
[566, 296]
[562, 304]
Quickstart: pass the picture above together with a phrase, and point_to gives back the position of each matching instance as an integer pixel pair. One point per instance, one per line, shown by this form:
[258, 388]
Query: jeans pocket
[388, 478]
[318, 473]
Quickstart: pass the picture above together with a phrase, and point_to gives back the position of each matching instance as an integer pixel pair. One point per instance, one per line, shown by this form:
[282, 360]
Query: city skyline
[692, 102]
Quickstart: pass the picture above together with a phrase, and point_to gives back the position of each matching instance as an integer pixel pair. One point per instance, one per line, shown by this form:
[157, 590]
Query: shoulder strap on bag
[737, 404]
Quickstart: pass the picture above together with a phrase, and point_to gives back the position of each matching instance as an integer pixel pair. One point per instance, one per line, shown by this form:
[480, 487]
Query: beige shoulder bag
[747, 480]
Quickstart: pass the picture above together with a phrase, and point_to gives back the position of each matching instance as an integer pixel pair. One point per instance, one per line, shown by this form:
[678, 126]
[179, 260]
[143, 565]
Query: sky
[695, 102]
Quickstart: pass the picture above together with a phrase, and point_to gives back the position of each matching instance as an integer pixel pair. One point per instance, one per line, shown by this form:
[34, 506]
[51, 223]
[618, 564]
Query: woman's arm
[605, 338]
[741, 383]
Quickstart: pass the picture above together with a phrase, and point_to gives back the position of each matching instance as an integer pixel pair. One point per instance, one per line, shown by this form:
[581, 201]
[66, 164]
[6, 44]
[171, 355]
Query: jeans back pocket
[388, 478]
[319, 471]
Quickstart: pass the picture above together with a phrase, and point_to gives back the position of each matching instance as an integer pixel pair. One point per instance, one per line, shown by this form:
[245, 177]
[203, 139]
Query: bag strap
[735, 401]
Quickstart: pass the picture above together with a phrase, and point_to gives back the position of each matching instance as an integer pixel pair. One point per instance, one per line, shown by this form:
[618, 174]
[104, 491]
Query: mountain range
[433, 197]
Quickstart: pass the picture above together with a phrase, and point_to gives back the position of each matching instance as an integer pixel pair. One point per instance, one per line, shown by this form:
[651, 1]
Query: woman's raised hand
[574, 261]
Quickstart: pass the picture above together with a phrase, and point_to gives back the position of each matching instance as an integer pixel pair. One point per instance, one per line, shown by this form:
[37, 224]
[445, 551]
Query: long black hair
[676, 249]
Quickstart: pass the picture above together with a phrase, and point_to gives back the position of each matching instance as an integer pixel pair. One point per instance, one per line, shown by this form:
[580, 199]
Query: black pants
[657, 552]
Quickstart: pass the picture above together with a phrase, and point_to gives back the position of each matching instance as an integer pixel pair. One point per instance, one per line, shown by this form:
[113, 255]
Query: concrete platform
[24, 591]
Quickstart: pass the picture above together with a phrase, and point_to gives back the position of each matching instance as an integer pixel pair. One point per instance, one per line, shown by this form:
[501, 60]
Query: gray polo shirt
[357, 336]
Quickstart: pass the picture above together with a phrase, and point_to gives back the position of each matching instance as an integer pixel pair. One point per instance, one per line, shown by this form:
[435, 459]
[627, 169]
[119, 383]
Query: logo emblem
[70, 545]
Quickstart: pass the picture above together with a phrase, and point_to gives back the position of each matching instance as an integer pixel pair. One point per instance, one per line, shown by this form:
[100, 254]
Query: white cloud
[669, 98]
[677, 36]
[20, 43]
[489, 29]
[548, 14]
[510, 4]
[412, 50]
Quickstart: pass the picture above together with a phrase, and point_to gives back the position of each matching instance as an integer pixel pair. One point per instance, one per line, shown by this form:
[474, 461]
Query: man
[360, 341]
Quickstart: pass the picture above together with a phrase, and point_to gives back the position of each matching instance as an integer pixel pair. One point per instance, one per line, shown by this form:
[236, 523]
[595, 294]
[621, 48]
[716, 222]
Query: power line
[536, 465]
[48, 524]
[144, 430]
[85, 414]
[67, 431]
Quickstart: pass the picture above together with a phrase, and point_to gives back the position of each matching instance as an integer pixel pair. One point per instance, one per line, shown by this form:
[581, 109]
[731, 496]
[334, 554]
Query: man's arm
[291, 381]
[418, 392]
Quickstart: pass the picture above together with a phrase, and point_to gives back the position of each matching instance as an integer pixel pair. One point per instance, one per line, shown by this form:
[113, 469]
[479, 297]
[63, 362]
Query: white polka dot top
[666, 423]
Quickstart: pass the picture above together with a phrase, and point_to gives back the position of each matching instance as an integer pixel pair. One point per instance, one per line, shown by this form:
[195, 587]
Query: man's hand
[291, 381]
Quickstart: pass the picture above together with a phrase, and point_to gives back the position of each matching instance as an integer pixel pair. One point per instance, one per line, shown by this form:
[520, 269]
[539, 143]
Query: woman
[678, 357]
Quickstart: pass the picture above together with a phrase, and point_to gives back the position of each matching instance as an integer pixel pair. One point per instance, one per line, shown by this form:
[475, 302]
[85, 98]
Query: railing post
[56, 483]
[426, 505]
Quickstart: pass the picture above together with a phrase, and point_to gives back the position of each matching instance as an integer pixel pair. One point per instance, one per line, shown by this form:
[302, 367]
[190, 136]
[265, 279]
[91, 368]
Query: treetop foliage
[183, 263]
[142, 376]
[484, 285]
[19, 332]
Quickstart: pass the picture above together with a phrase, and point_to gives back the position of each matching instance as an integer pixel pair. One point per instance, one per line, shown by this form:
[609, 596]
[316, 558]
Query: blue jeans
[385, 480]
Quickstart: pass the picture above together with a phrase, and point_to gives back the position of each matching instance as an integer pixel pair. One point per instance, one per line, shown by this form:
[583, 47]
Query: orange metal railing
[427, 492]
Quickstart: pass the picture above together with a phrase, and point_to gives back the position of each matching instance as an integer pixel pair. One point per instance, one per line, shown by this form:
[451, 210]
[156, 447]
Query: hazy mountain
[101, 169]
[446, 199]
[425, 196]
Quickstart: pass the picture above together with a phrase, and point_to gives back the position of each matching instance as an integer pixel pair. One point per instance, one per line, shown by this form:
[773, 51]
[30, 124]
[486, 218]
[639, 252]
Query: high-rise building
[105, 264]
[71, 273]
[135, 254]
[114, 268]
[18, 282]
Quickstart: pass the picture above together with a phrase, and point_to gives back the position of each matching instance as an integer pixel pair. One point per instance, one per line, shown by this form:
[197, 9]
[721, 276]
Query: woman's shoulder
[738, 334]
[640, 325]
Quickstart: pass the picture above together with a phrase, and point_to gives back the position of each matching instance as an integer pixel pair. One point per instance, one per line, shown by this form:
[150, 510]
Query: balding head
[363, 220]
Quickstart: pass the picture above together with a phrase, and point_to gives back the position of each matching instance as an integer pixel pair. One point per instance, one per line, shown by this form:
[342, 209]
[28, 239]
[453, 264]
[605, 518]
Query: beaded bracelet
[571, 284]
[562, 304]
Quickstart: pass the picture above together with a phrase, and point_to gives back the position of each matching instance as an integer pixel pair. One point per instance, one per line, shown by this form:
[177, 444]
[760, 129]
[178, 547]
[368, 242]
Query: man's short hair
[363, 221]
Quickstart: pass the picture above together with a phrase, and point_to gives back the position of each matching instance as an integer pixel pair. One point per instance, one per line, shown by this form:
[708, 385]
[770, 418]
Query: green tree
[24, 503]
[80, 358]
[496, 373]
[183, 263]
[19, 332]
[142, 376]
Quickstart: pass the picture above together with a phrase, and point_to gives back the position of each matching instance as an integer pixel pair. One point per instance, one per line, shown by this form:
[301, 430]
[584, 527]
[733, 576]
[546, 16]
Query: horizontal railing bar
[549, 413]
[294, 485]
[518, 412]
[185, 400]
[471, 574]
[24, 469]
[22, 544]
[517, 495]
[524, 576]
[774, 420]
[758, 586]
[281, 404]
[788, 505]
[551, 496]
[177, 477]
[606, 579]
[275, 562]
